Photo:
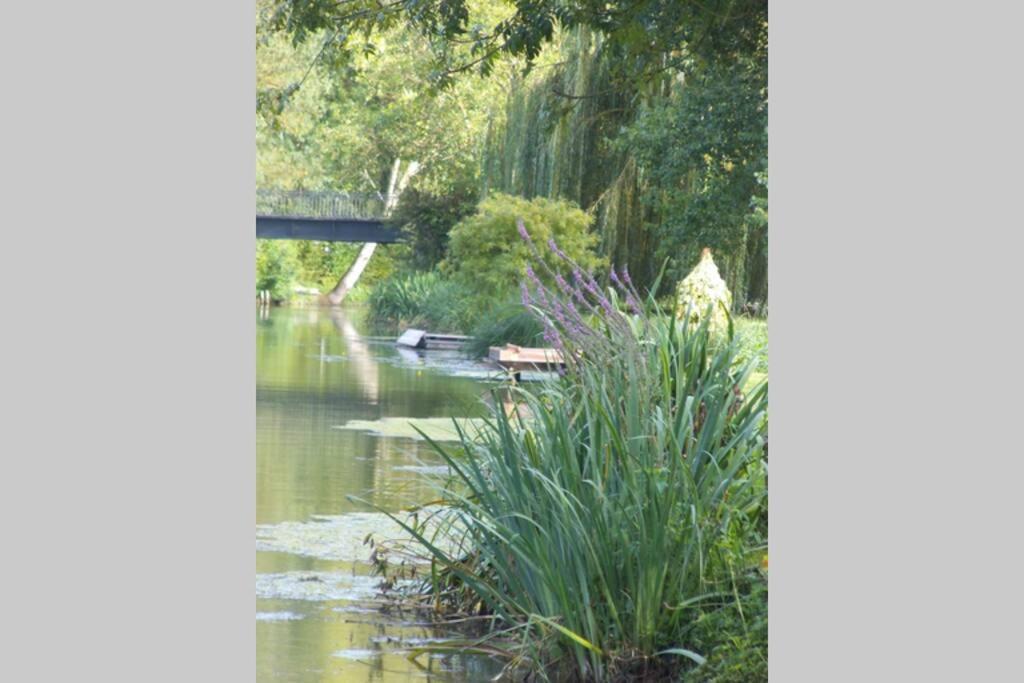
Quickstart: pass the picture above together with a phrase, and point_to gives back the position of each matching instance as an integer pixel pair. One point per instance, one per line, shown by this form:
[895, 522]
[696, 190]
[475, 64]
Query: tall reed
[595, 530]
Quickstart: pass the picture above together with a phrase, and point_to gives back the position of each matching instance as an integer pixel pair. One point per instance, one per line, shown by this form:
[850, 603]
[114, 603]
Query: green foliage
[277, 268]
[420, 300]
[756, 265]
[465, 36]
[426, 219]
[336, 118]
[509, 324]
[598, 529]
[488, 256]
[735, 637]
[752, 338]
[702, 182]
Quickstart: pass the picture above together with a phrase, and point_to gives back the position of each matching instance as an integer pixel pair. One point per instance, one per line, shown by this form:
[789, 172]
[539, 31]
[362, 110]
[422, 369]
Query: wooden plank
[447, 337]
[445, 341]
[412, 338]
[518, 358]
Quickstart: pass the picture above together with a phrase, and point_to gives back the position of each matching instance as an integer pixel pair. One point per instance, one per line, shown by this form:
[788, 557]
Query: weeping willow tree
[554, 138]
[667, 166]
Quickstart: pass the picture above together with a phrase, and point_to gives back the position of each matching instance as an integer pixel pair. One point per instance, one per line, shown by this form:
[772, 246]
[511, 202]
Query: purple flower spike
[522, 230]
[562, 284]
[553, 246]
[615, 278]
[525, 292]
[632, 303]
[625, 275]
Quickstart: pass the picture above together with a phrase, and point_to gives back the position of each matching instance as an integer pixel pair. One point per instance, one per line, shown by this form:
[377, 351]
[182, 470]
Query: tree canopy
[651, 115]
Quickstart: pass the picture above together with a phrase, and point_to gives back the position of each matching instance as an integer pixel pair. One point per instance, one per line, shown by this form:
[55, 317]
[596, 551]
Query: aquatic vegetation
[278, 616]
[316, 586]
[335, 537]
[596, 534]
[434, 428]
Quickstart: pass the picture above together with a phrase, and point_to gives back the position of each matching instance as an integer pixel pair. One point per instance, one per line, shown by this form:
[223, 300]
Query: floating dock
[420, 339]
[517, 359]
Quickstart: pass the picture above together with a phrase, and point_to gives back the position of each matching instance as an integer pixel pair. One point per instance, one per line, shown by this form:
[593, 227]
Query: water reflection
[316, 618]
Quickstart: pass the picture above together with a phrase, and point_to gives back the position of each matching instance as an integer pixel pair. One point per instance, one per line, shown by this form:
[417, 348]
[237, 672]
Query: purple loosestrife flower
[532, 276]
[524, 291]
[522, 230]
[552, 337]
[559, 311]
[542, 298]
[562, 284]
[632, 302]
[573, 311]
[553, 246]
[625, 275]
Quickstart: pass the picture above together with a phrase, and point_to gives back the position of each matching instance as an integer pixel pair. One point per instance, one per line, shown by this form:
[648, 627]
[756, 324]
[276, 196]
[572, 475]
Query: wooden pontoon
[419, 339]
[517, 359]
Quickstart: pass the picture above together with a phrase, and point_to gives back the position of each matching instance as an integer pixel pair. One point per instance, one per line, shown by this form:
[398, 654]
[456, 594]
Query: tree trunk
[345, 285]
[395, 188]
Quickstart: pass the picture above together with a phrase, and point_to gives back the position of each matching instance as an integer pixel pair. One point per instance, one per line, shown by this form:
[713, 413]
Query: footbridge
[323, 216]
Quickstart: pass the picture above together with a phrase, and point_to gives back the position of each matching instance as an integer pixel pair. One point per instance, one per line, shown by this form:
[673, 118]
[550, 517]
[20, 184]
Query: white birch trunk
[395, 188]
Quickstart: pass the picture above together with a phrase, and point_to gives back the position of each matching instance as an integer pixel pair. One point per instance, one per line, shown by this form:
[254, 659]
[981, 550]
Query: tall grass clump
[594, 528]
[508, 324]
[421, 299]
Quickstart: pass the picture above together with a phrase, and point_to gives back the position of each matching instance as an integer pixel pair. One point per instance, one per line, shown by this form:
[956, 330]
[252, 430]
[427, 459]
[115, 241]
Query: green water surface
[317, 371]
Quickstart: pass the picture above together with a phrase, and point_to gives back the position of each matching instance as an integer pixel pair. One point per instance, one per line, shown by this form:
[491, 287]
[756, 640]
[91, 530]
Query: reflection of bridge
[323, 216]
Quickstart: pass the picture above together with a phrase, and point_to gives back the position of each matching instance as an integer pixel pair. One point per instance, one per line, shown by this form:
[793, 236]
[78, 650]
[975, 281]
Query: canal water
[333, 405]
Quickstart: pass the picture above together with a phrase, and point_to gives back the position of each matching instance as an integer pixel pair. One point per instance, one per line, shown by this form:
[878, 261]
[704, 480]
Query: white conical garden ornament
[704, 287]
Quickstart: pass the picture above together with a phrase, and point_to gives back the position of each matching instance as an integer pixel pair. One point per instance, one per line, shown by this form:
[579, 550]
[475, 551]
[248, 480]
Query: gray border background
[127, 356]
[895, 148]
[127, 351]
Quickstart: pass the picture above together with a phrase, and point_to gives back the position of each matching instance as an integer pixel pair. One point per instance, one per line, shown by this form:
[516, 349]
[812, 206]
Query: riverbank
[619, 531]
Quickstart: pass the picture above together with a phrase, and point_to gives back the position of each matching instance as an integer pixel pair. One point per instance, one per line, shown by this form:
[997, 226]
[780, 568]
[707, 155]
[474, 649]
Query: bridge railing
[308, 204]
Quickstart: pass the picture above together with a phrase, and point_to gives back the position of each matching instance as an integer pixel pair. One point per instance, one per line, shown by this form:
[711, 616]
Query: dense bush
[598, 529]
[282, 265]
[735, 638]
[322, 264]
[486, 253]
[426, 219]
[277, 268]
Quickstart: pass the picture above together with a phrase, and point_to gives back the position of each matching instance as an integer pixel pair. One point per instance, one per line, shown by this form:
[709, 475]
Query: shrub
[277, 268]
[486, 253]
[426, 219]
[596, 531]
[702, 290]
